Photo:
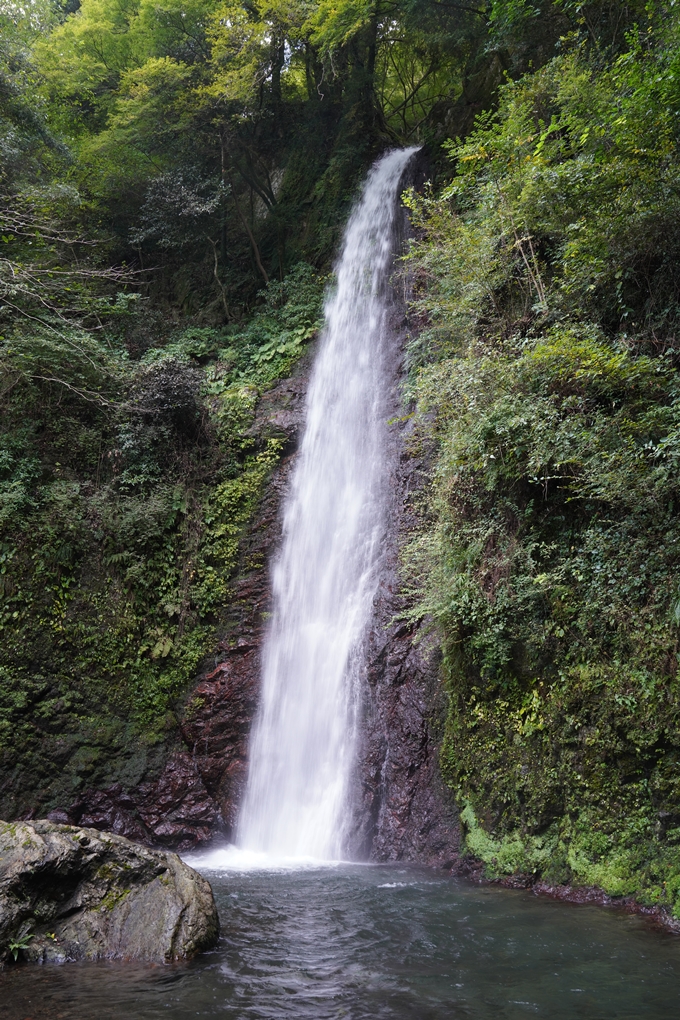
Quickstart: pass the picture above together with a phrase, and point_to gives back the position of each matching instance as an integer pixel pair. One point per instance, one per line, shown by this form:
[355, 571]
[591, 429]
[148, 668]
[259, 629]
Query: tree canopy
[237, 131]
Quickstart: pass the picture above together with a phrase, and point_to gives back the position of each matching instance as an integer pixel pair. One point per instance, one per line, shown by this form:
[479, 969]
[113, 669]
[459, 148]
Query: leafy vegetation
[124, 492]
[22, 941]
[546, 273]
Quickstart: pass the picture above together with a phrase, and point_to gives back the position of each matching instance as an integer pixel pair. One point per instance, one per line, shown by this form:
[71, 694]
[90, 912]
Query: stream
[377, 942]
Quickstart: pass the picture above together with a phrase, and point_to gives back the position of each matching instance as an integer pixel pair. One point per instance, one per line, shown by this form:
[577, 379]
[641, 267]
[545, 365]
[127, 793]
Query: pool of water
[377, 943]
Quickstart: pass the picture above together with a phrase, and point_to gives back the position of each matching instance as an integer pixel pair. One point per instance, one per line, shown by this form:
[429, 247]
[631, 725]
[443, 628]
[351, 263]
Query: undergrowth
[545, 370]
[125, 488]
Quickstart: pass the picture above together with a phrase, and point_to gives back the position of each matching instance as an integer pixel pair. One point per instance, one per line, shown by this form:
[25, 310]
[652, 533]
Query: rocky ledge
[68, 893]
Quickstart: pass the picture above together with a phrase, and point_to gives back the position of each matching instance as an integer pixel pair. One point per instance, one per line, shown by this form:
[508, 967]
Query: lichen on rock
[69, 893]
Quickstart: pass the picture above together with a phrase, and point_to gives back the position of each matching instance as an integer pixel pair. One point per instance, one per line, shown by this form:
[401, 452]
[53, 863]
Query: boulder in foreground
[68, 893]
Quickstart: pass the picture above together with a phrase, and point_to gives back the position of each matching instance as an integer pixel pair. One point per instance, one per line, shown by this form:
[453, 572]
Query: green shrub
[549, 552]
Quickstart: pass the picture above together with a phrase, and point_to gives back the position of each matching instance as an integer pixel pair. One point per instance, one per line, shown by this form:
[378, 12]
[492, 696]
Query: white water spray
[324, 581]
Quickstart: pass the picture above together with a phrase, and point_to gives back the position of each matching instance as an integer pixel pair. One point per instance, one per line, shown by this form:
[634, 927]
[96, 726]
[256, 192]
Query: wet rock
[218, 730]
[174, 810]
[402, 810]
[69, 893]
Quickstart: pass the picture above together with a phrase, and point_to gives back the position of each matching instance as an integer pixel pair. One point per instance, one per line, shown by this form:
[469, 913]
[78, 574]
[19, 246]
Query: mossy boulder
[68, 893]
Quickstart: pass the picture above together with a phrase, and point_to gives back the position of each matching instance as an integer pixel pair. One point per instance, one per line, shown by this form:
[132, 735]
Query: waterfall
[325, 578]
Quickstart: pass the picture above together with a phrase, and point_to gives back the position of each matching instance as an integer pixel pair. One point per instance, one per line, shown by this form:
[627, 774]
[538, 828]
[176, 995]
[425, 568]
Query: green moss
[116, 570]
[114, 898]
[625, 862]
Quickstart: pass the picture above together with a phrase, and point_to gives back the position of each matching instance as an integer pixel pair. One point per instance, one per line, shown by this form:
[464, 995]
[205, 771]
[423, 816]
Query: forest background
[173, 180]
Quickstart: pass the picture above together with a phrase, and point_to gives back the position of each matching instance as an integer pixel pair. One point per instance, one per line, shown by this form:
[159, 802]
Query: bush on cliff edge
[546, 370]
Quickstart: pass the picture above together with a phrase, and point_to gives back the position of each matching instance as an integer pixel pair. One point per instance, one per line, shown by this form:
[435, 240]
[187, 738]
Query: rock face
[402, 811]
[198, 791]
[85, 895]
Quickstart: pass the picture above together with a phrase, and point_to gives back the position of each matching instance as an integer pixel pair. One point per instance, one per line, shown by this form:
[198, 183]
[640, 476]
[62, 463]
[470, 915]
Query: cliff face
[402, 811]
[195, 794]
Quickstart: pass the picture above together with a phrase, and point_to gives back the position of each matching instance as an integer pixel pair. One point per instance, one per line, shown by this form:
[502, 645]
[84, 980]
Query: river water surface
[377, 943]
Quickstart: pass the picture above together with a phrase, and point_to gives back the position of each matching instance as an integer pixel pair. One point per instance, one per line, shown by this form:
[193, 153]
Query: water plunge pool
[377, 943]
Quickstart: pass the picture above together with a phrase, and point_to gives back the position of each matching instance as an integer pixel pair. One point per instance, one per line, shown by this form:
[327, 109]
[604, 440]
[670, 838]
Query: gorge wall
[401, 808]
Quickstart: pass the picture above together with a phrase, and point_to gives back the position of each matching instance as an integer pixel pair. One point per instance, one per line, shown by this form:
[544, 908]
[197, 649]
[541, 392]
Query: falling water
[324, 581]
